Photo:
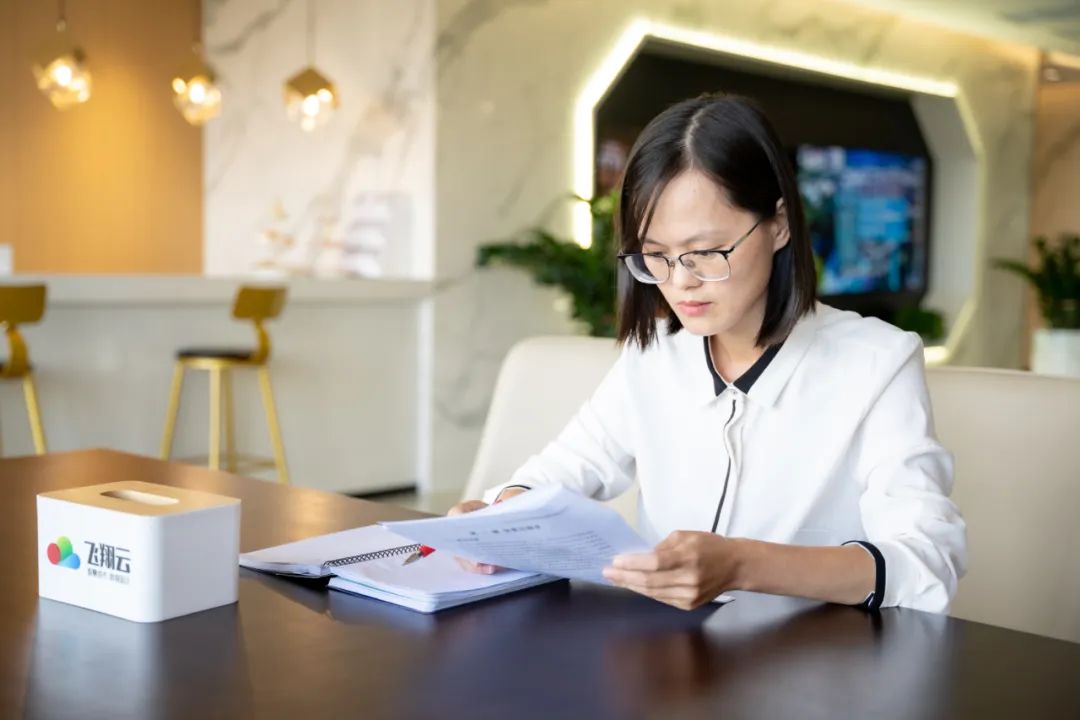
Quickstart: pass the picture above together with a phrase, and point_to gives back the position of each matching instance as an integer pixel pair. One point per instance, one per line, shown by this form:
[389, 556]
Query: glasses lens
[647, 268]
[707, 265]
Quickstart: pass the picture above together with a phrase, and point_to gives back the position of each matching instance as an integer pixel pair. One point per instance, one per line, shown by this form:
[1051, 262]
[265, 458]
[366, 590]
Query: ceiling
[1047, 24]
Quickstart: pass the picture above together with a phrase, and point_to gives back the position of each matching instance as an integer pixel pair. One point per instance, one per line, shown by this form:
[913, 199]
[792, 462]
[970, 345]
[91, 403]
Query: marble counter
[346, 368]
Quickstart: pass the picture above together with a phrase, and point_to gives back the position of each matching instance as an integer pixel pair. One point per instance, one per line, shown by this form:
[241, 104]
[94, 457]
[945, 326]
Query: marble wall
[370, 168]
[508, 76]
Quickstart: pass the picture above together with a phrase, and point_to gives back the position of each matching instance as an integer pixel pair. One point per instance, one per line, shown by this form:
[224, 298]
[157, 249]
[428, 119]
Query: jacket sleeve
[907, 478]
[593, 453]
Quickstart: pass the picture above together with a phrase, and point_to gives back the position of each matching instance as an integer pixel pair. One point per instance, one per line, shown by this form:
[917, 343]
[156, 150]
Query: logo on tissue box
[61, 553]
[104, 561]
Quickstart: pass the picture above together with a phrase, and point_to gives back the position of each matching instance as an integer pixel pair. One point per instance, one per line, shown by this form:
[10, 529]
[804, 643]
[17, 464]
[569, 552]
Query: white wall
[508, 76]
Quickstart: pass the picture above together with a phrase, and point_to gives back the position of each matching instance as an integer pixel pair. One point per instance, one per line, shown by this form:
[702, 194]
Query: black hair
[729, 139]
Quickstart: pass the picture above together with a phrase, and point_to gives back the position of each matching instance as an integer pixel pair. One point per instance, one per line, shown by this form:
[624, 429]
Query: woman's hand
[471, 506]
[461, 508]
[687, 569]
[466, 506]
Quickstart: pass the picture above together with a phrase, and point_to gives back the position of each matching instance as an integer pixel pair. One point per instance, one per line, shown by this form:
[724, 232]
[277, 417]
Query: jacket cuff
[873, 601]
[492, 494]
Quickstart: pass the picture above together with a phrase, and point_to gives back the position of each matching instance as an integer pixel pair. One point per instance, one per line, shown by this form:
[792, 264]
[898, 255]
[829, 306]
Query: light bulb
[62, 72]
[310, 99]
[195, 92]
[62, 75]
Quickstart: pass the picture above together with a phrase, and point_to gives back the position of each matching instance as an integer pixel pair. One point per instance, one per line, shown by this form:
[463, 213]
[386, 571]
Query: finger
[482, 568]
[466, 507]
[650, 562]
[654, 580]
[682, 599]
[475, 567]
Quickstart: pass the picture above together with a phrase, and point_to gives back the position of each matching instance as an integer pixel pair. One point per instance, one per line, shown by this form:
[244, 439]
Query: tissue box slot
[141, 497]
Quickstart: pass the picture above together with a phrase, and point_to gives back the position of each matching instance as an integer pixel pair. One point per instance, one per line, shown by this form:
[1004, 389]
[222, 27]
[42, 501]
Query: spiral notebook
[319, 556]
[369, 561]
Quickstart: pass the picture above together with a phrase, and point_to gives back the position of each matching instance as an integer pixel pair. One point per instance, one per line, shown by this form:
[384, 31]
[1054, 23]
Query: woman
[781, 445]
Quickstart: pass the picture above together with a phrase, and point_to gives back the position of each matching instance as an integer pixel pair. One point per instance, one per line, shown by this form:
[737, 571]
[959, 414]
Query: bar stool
[21, 304]
[256, 304]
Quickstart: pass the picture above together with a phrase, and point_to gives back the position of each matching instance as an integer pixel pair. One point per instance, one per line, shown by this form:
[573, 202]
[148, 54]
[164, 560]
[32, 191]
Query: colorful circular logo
[60, 553]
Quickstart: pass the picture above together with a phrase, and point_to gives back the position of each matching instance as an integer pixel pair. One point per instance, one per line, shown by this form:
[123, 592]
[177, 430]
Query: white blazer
[828, 439]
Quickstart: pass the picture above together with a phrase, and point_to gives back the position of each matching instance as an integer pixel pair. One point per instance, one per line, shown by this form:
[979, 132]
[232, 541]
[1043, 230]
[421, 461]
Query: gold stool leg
[171, 413]
[230, 430]
[34, 412]
[272, 422]
[215, 418]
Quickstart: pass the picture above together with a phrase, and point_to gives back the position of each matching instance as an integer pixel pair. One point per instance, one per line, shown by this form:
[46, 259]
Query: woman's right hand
[469, 506]
[461, 508]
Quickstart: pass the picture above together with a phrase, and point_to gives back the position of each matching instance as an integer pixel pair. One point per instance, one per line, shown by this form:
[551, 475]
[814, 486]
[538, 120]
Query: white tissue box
[137, 550]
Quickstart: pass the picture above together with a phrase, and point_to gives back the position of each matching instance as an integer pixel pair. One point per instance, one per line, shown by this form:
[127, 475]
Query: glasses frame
[724, 252]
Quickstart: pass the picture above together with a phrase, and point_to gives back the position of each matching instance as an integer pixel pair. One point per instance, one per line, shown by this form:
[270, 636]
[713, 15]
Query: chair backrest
[21, 304]
[542, 383]
[1013, 436]
[257, 304]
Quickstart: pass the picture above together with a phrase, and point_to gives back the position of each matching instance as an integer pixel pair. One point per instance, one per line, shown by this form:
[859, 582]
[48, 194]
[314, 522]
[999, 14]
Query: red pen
[423, 552]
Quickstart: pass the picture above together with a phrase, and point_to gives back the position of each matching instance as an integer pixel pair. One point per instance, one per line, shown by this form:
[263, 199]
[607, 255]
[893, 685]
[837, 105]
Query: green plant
[929, 324]
[1056, 279]
[586, 274]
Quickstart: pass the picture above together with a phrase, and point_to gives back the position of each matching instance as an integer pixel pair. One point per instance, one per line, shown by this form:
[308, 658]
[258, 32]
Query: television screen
[866, 211]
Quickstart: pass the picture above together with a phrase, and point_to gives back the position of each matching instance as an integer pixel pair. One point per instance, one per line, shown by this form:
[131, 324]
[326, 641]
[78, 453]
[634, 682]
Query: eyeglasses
[706, 265]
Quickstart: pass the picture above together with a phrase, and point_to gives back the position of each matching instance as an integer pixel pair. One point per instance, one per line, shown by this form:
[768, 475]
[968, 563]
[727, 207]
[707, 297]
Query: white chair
[1012, 434]
[542, 383]
[1014, 437]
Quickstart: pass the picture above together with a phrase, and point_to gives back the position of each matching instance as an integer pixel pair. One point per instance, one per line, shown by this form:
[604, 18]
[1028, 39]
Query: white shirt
[833, 442]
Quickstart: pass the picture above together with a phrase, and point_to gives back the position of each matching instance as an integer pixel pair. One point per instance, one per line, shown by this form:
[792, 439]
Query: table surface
[290, 649]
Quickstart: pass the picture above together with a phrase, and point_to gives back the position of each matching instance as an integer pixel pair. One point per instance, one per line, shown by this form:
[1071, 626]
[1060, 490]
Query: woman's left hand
[686, 570]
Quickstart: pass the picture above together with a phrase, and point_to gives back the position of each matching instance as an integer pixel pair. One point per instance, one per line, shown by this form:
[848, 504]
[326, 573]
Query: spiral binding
[379, 555]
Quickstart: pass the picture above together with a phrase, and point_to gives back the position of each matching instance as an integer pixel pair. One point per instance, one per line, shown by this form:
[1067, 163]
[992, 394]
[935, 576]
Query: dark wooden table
[562, 651]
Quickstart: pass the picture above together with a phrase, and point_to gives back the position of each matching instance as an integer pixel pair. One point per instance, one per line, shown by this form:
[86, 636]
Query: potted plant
[928, 323]
[586, 274]
[1056, 279]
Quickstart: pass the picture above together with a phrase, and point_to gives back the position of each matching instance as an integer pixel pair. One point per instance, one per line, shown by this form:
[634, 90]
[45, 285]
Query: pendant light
[60, 67]
[310, 97]
[195, 90]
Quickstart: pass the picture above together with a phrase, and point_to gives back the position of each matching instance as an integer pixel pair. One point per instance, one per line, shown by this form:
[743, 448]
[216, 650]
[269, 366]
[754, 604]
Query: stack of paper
[550, 530]
[434, 583]
[369, 561]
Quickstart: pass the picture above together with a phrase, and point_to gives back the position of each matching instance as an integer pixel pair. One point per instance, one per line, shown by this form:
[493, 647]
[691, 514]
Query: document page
[550, 530]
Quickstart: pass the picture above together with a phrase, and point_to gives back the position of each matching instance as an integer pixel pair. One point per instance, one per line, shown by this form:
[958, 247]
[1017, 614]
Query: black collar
[747, 379]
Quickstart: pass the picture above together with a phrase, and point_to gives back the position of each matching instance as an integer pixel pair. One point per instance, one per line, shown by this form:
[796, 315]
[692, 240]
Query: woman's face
[693, 213]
